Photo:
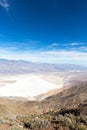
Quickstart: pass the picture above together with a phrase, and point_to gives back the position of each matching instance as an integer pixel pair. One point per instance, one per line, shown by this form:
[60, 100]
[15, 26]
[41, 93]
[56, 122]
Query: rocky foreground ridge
[66, 110]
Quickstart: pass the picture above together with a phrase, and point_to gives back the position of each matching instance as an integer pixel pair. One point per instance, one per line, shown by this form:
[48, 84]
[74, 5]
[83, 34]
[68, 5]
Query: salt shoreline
[27, 85]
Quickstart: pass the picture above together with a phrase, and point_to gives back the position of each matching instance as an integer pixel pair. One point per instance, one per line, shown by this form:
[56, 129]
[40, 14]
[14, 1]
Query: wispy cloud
[72, 46]
[28, 51]
[83, 48]
[75, 43]
[67, 44]
[4, 4]
[55, 44]
[63, 56]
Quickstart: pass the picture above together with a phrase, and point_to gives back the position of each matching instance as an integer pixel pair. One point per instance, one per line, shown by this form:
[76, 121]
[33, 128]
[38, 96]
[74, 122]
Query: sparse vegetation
[47, 114]
[54, 120]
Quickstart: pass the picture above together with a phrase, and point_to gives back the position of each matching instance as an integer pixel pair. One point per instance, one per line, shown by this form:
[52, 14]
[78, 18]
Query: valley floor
[29, 85]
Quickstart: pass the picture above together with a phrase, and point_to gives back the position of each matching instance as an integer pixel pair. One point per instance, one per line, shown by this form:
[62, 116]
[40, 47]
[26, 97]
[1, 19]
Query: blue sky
[53, 31]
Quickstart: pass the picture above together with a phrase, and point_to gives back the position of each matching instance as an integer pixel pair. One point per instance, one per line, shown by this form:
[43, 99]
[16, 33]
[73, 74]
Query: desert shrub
[67, 121]
[36, 123]
[84, 119]
[16, 128]
[59, 118]
[81, 126]
[1, 120]
[12, 118]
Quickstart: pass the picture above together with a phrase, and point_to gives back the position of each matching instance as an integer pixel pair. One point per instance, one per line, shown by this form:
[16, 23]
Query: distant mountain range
[23, 67]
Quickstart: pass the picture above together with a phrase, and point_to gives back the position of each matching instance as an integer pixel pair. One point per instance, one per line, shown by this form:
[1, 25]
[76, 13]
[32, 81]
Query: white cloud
[83, 48]
[73, 57]
[54, 44]
[75, 43]
[51, 55]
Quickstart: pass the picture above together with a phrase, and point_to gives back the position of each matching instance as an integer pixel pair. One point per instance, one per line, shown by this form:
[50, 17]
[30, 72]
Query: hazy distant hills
[22, 67]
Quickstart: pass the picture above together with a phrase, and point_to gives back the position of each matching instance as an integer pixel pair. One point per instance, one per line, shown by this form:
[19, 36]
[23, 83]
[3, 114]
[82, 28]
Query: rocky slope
[69, 98]
[64, 119]
[66, 110]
